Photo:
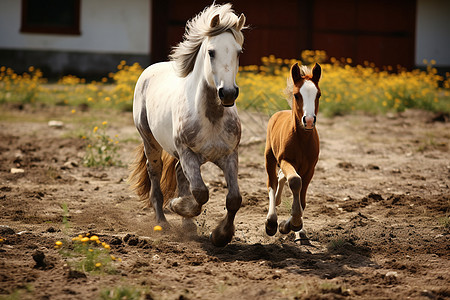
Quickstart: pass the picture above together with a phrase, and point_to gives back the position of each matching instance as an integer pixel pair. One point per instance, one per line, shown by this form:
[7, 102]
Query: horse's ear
[215, 21]
[295, 73]
[240, 22]
[317, 73]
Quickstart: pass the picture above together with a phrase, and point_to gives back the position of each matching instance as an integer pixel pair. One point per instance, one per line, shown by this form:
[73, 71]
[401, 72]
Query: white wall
[433, 32]
[110, 26]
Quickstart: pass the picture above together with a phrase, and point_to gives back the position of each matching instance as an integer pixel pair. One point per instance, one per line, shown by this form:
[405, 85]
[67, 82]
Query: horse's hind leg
[281, 181]
[224, 231]
[295, 222]
[271, 223]
[300, 236]
[154, 168]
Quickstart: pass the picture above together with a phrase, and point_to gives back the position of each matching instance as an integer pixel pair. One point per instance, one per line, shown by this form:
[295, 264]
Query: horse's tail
[168, 181]
[140, 181]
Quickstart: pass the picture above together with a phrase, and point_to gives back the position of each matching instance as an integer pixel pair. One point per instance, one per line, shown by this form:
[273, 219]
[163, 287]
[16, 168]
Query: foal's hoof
[296, 228]
[285, 227]
[185, 206]
[271, 227]
[301, 238]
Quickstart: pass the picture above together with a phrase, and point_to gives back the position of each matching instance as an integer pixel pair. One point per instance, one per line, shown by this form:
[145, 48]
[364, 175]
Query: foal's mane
[306, 73]
[197, 29]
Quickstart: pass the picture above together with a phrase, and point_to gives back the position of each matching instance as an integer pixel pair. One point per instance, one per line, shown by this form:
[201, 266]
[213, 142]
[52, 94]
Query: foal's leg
[154, 168]
[186, 206]
[271, 169]
[281, 181]
[295, 222]
[224, 231]
[301, 235]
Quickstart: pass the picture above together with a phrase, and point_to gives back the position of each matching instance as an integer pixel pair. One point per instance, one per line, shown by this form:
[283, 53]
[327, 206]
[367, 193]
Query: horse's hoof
[219, 239]
[284, 227]
[185, 207]
[271, 227]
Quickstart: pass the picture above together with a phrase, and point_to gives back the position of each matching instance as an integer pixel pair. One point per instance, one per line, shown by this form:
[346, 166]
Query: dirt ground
[377, 215]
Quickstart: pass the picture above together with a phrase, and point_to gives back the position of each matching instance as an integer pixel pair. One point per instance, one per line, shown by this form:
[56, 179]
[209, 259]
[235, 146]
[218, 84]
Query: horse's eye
[239, 53]
[296, 96]
[211, 53]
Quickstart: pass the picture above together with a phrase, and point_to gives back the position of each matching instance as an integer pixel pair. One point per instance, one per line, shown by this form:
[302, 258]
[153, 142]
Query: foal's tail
[140, 181]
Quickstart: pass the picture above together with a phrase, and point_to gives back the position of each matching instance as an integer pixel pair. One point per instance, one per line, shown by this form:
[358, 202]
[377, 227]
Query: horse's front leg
[224, 231]
[189, 203]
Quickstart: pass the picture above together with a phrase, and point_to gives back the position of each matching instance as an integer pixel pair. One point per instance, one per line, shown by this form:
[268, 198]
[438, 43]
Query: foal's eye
[212, 53]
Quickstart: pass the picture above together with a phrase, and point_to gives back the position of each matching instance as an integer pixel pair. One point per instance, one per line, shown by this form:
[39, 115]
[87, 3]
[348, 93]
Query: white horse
[184, 111]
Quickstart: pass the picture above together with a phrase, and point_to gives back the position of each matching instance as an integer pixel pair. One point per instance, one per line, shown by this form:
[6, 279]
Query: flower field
[345, 88]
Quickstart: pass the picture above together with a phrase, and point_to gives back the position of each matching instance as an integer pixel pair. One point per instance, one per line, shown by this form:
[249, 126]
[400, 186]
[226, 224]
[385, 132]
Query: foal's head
[306, 93]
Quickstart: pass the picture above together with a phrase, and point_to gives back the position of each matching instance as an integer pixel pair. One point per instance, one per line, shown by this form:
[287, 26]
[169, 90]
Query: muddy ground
[377, 215]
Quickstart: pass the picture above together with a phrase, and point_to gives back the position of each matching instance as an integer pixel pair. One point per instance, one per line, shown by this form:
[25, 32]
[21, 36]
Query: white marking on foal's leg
[272, 205]
[271, 221]
[281, 181]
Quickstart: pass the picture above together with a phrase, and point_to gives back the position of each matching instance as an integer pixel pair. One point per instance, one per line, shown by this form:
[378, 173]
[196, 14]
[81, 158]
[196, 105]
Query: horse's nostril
[221, 95]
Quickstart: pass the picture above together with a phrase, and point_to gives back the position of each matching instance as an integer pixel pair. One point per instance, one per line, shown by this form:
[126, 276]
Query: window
[51, 16]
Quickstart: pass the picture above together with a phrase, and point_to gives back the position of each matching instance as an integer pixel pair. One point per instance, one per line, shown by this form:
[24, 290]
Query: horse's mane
[306, 73]
[197, 29]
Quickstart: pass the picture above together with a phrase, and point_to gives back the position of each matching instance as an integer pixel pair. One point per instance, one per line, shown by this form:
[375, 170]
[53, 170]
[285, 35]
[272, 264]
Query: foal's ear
[215, 21]
[240, 23]
[317, 73]
[295, 73]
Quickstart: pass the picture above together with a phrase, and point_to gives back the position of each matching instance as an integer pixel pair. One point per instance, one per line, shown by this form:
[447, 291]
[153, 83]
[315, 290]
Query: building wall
[433, 32]
[111, 30]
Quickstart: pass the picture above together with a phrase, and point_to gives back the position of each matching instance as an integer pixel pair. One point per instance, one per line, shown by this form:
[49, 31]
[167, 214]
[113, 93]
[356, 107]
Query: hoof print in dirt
[115, 241]
[6, 230]
[131, 240]
[42, 262]
[74, 274]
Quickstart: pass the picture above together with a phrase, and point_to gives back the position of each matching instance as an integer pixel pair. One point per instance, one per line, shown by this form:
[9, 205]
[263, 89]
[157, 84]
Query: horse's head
[221, 61]
[306, 93]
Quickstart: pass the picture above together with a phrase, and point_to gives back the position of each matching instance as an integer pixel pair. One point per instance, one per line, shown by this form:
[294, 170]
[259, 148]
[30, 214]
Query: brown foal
[292, 144]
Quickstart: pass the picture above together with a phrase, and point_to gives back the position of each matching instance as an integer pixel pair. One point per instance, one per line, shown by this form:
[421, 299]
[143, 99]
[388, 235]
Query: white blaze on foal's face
[309, 93]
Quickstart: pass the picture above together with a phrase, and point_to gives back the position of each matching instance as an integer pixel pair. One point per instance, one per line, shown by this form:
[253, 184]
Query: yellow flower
[157, 228]
[94, 238]
[104, 122]
[98, 265]
[106, 246]
[113, 257]
[90, 99]
[95, 129]
[58, 243]
[91, 250]
[73, 111]
[85, 239]
[107, 98]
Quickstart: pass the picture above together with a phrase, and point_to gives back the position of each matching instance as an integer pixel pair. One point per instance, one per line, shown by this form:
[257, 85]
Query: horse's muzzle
[228, 96]
[309, 122]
